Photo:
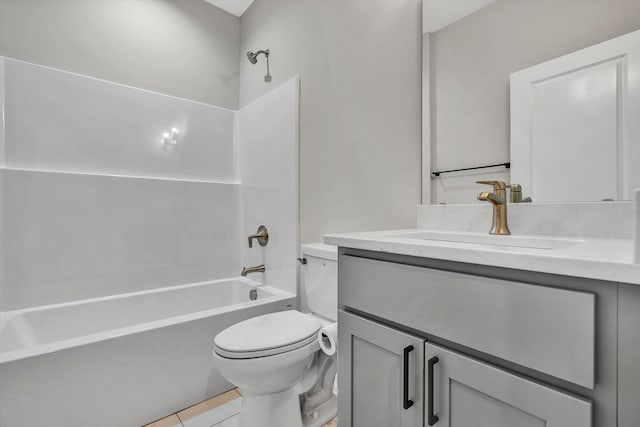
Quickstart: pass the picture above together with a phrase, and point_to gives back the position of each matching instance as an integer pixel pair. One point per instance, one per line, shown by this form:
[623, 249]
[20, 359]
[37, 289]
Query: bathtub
[122, 360]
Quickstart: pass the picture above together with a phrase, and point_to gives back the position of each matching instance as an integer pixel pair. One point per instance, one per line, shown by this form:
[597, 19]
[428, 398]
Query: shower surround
[96, 202]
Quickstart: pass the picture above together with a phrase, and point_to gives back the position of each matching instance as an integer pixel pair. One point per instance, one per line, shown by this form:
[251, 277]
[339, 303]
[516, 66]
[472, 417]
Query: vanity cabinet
[383, 367]
[398, 379]
[548, 329]
[470, 393]
[490, 346]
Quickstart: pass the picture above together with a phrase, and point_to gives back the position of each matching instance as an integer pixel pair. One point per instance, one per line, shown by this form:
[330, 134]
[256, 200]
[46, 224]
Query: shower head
[253, 56]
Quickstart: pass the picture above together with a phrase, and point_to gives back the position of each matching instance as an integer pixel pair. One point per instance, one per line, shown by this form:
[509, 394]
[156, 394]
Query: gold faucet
[499, 200]
[516, 193]
[256, 269]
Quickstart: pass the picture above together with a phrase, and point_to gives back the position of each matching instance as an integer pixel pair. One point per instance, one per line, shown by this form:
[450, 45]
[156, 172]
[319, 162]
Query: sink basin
[530, 242]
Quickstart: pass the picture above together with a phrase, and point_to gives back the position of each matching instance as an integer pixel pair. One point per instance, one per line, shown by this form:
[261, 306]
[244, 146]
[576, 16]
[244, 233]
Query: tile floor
[219, 411]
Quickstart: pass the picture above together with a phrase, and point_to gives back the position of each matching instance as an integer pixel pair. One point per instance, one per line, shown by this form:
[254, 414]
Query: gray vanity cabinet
[470, 393]
[513, 348]
[383, 367]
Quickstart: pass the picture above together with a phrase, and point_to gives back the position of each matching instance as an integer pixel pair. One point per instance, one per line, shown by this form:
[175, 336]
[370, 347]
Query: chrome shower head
[253, 56]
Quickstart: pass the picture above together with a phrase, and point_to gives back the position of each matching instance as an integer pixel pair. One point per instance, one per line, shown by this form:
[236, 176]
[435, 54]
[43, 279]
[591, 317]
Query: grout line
[177, 414]
[225, 419]
[179, 419]
[166, 416]
[190, 415]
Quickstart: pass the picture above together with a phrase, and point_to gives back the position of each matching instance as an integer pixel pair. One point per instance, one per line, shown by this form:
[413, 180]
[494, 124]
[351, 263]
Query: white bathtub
[123, 360]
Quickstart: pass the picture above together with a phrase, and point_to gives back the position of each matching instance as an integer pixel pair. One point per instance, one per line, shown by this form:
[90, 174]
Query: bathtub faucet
[256, 269]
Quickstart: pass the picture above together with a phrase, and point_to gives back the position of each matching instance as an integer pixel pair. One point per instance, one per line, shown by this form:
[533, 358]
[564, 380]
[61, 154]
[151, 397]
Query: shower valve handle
[262, 235]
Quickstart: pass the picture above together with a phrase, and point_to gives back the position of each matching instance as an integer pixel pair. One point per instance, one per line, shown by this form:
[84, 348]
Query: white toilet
[287, 381]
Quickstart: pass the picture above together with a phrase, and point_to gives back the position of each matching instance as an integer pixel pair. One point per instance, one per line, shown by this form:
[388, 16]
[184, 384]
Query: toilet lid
[267, 335]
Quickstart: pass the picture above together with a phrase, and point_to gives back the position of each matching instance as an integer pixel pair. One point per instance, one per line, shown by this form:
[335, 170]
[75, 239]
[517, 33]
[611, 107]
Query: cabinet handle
[406, 402]
[431, 418]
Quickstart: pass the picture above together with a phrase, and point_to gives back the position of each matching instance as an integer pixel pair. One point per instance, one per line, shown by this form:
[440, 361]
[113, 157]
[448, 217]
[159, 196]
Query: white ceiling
[437, 14]
[237, 7]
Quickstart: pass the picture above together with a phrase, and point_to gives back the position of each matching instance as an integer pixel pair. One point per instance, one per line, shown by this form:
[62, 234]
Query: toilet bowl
[287, 381]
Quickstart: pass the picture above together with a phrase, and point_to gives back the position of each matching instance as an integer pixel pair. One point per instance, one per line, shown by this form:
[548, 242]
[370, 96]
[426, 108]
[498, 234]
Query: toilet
[286, 380]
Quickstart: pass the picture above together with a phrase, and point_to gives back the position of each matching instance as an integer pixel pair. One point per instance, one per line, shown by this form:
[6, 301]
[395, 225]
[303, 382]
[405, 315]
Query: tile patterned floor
[219, 411]
[332, 423]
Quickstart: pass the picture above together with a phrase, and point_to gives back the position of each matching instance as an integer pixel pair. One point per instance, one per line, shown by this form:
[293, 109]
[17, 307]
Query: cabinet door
[470, 393]
[380, 375]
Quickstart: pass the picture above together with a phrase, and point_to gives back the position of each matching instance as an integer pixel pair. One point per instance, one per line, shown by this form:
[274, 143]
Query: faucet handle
[497, 185]
[262, 236]
[516, 193]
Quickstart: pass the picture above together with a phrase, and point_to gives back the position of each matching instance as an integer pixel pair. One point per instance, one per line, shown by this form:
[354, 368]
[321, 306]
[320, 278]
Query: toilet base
[271, 410]
[283, 410]
[322, 414]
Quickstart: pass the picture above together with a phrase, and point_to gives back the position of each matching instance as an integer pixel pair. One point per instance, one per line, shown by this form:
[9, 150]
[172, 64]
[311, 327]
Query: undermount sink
[531, 242]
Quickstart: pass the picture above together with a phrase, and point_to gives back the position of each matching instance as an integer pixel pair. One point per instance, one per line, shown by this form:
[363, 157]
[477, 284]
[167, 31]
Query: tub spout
[256, 269]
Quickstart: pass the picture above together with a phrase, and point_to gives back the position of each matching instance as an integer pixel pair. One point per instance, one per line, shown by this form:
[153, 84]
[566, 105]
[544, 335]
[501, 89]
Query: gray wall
[471, 61]
[185, 48]
[359, 63]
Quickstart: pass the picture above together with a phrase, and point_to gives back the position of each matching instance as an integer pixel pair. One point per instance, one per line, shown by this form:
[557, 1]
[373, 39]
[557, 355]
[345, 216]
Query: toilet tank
[320, 278]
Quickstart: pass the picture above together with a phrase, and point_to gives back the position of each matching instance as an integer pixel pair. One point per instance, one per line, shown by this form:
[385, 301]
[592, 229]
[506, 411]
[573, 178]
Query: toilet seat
[267, 335]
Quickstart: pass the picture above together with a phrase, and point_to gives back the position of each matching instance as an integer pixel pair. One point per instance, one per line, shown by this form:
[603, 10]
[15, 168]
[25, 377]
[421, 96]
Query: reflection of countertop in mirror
[590, 240]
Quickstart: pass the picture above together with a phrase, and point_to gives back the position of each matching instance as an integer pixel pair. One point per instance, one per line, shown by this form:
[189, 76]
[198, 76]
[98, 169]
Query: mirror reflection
[472, 48]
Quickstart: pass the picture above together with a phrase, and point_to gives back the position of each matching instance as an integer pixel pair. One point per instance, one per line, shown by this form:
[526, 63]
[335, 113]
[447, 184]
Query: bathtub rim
[52, 347]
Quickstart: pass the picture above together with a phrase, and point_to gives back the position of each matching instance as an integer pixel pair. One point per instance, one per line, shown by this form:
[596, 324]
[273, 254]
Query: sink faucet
[256, 269]
[499, 200]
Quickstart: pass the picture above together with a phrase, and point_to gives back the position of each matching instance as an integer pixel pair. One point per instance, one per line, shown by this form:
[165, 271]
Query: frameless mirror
[574, 131]
[574, 134]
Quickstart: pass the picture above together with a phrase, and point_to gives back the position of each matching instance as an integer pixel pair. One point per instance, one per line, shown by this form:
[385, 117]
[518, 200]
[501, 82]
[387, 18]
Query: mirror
[470, 50]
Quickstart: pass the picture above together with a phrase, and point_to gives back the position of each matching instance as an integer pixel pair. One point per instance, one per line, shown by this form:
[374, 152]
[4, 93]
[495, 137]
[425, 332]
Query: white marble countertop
[608, 259]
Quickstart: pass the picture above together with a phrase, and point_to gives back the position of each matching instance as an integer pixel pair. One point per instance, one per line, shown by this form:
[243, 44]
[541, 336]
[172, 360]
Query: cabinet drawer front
[471, 393]
[547, 329]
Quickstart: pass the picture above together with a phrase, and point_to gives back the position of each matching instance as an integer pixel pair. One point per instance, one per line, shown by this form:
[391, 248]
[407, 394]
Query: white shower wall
[61, 121]
[93, 203]
[70, 236]
[268, 167]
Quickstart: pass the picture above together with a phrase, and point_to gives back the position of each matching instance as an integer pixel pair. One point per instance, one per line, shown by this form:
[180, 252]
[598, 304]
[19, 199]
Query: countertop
[609, 259]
